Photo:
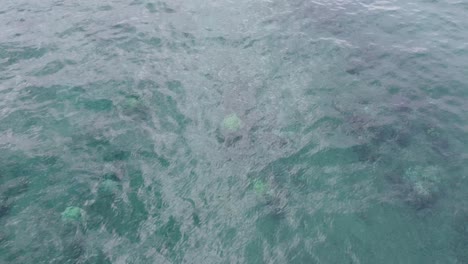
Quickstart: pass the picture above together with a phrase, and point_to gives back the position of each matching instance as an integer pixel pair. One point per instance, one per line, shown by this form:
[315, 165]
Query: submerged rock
[109, 186]
[423, 183]
[259, 187]
[232, 123]
[132, 101]
[73, 213]
[5, 207]
[134, 106]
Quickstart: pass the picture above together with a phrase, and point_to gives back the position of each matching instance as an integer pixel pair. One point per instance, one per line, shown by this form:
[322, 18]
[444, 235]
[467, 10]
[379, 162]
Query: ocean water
[268, 131]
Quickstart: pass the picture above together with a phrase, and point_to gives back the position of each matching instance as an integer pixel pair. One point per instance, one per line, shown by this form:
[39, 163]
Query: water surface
[348, 143]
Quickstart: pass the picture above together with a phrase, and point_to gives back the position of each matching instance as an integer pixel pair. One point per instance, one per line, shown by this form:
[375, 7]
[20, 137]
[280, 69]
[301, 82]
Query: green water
[274, 131]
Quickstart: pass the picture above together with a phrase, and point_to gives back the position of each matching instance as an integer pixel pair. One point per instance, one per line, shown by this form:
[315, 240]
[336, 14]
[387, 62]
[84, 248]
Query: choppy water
[348, 139]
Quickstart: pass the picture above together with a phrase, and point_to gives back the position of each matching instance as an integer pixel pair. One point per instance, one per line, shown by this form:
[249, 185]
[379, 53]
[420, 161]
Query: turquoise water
[272, 131]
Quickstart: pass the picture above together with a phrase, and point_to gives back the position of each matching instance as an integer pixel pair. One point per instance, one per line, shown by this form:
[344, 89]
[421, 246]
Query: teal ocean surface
[247, 131]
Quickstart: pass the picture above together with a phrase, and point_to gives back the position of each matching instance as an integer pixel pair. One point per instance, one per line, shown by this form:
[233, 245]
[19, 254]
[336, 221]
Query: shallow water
[345, 141]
